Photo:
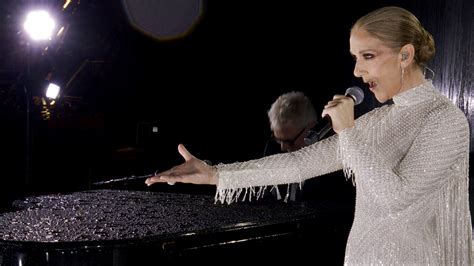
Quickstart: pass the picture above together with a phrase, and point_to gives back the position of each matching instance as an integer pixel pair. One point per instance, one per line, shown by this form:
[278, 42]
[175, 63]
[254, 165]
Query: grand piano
[127, 227]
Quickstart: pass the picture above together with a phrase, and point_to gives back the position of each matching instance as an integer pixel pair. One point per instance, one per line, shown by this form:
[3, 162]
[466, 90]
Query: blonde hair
[292, 107]
[397, 27]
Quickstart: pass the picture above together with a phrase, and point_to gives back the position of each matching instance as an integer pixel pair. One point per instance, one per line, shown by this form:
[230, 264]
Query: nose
[358, 70]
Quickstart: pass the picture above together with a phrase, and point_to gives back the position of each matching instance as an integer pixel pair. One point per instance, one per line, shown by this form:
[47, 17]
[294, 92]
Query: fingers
[173, 172]
[337, 100]
[332, 103]
[327, 111]
[176, 174]
[324, 113]
[152, 180]
[184, 152]
[170, 179]
[341, 111]
[157, 178]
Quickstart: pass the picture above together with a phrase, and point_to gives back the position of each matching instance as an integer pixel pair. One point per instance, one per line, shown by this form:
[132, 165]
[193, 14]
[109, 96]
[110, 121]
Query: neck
[412, 77]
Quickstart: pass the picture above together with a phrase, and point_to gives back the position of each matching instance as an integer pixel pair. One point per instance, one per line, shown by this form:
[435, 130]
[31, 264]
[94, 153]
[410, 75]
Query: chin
[381, 98]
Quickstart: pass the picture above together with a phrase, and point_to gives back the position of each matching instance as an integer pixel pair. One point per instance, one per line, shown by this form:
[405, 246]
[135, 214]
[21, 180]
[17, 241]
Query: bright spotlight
[39, 25]
[52, 91]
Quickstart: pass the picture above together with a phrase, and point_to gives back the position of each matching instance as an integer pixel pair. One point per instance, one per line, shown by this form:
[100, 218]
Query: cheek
[381, 71]
[392, 82]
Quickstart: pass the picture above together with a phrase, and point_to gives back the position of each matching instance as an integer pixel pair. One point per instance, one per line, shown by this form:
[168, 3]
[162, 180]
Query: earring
[403, 73]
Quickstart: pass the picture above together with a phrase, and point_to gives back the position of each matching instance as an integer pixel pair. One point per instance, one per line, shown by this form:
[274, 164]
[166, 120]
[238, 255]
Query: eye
[368, 56]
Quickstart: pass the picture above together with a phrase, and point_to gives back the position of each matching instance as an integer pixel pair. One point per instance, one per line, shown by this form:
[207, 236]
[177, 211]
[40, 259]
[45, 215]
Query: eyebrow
[363, 52]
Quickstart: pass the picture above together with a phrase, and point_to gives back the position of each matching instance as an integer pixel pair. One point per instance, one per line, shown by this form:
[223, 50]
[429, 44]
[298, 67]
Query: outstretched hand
[192, 171]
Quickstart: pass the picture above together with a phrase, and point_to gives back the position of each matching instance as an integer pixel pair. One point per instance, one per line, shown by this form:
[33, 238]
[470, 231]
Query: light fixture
[52, 91]
[39, 25]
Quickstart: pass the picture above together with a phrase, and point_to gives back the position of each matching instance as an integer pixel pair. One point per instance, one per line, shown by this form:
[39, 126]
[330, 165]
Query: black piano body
[121, 227]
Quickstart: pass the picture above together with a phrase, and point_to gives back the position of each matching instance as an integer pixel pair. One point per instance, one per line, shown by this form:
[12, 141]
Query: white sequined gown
[409, 161]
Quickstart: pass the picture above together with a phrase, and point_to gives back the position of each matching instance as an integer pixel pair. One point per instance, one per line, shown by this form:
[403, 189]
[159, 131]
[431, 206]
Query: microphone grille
[356, 93]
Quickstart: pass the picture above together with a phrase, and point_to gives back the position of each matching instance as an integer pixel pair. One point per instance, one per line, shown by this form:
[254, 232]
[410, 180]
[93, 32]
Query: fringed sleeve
[245, 180]
[454, 222]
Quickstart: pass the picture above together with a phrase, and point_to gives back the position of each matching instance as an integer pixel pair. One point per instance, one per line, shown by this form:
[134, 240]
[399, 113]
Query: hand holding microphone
[341, 110]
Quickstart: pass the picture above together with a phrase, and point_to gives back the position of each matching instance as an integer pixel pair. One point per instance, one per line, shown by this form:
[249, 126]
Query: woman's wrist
[214, 177]
[214, 174]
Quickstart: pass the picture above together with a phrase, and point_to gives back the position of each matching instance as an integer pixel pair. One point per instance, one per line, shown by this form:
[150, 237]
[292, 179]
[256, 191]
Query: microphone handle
[324, 130]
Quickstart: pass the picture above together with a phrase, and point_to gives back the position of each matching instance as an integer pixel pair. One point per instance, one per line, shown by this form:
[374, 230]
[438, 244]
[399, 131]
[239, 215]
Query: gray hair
[292, 107]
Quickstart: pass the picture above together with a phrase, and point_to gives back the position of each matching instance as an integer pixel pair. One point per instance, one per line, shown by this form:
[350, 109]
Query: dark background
[209, 88]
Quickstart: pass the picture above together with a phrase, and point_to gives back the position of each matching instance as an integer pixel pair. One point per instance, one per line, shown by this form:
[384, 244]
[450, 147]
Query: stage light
[39, 25]
[52, 91]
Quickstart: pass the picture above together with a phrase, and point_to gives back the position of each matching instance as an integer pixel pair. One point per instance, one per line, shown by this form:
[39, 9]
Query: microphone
[357, 94]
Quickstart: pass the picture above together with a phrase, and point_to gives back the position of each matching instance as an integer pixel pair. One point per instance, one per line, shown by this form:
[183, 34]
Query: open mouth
[372, 85]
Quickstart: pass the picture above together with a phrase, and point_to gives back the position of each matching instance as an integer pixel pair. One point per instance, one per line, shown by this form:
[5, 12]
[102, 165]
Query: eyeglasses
[289, 142]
